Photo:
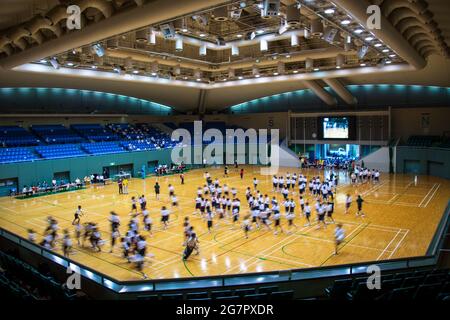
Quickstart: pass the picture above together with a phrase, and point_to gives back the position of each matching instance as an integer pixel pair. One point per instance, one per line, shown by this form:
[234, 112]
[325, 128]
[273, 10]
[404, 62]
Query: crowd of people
[293, 198]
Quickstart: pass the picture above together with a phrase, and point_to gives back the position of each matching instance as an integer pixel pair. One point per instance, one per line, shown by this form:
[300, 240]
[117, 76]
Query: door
[63, 176]
[435, 169]
[411, 166]
[6, 185]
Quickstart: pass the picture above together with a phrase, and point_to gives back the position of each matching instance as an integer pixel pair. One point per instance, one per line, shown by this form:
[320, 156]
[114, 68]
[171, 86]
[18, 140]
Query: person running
[191, 245]
[307, 213]
[246, 225]
[66, 243]
[165, 217]
[157, 190]
[339, 236]
[348, 202]
[359, 202]
[78, 213]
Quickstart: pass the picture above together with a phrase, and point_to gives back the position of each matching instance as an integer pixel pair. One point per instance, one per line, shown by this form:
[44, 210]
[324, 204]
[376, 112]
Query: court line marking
[382, 253]
[431, 197]
[398, 244]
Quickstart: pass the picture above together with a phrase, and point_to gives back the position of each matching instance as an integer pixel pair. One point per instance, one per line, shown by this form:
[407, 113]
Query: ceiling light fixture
[358, 31]
[329, 11]
[368, 39]
[345, 22]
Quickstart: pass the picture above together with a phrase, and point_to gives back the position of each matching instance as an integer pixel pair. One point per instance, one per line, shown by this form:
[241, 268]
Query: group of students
[363, 175]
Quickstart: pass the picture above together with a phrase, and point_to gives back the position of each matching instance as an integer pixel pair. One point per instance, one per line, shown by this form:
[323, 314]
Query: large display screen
[335, 128]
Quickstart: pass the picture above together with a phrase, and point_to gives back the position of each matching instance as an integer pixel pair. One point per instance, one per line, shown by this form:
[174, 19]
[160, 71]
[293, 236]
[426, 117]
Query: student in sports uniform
[165, 217]
[174, 200]
[339, 236]
[78, 213]
[229, 204]
[148, 222]
[182, 178]
[276, 216]
[114, 235]
[330, 210]
[66, 243]
[157, 188]
[225, 171]
[233, 192]
[307, 213]
[209, 220]
[242, 173]
[246, 225]
[359, 202]
[133, 205]
[186, 230]
[171, 190]
[285, 192]
[198, 202]
[348, 202]
[302, 205]
[274, 183]
[191, 245]
[255, 183]
[321, 215]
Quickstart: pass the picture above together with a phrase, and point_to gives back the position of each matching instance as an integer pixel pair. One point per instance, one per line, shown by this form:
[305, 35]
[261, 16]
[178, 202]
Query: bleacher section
[16, 155]
[14, 136]
[423, 141]
[102, 147]
[58, 141]
[415, 285]
[60, 151]
[54, 134]
[95, 132]
[20, 280]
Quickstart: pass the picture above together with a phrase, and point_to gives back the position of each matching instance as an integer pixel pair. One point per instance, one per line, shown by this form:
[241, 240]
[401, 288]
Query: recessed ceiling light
[377, 45]
[275, 73]
[358, 31]
[185, 78]
[388, 62]
[288, 56]
[70, 64]
[362, 65]
[316, 69]
[239, 35]
[93, 67]
[198, 79]
[43, 61]
[202, 35]
[260, 31]
[153, 73]
[257, 76]
[385, 50]
[329, 11]
[345, 22]
[240, 77]
[338, 67]
[368, 39]
[295, 71]
[135, 71]
[392, 55]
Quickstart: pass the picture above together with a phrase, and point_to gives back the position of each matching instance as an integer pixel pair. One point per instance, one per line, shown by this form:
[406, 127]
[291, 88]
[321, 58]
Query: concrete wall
[378, 160]
[426, 161]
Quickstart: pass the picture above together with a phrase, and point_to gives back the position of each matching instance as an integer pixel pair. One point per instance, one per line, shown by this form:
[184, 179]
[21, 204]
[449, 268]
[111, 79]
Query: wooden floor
[401, 218]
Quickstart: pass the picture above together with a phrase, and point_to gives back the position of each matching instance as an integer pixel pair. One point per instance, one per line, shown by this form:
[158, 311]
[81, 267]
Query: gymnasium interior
[102, 99]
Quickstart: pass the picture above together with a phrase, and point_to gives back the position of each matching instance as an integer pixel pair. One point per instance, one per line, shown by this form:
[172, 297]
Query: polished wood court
[402, 215]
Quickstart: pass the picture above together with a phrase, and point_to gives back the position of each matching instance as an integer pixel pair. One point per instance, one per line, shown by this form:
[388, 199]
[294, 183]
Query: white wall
[378, 160]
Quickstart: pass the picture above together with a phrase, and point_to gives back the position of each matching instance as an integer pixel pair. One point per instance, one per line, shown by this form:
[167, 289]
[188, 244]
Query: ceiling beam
[341, 91]
[388, 34]
[320, 92]
[136, 18]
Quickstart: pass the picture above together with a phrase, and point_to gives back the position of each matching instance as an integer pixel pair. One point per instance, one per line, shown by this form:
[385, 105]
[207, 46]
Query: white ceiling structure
[210, 59]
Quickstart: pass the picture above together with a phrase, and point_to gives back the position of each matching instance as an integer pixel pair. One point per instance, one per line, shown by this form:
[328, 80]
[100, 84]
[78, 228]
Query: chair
[282, 295]
[427, 291]
[268, 289]
[412, 281]
[362, 292]
[402, 293]
[221, 293]
[244, 291]
[196, 295]
[339, 289]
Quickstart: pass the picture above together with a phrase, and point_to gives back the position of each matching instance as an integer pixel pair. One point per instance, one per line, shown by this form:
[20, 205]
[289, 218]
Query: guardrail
[139, 286]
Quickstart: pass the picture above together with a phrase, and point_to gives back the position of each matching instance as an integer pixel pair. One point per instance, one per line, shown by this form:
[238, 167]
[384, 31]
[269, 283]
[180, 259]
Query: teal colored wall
[421, 158]
[58, 100]
[37, 171]
[368, 96]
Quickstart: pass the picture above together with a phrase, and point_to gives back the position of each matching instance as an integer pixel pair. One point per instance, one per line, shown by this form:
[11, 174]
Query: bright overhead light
[345, 22]
[43, 61]
[388, 61]
[385, 50]
[275, 73]
[368, 39]
[295, 71]
[135, 71]
[185, 78]
[392, 55]
[329, 11]
[198, 79]
[260, 31]
[362, 65]
[240, 77]
[257, 76]
[239, 35]
[288, 56]
[202, 35]
[93, 67]
[70, 64]
[338, 67]
[377, 45]
[316, 69]
[184, 30]
[359, 31]
[153, 73]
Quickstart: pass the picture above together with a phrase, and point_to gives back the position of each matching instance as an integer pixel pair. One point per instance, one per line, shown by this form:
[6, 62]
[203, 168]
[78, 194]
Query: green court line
[188, 270]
